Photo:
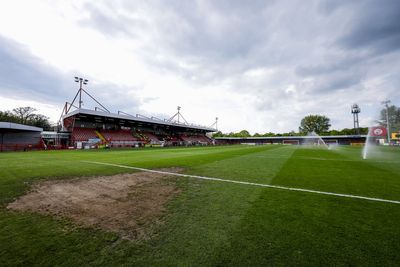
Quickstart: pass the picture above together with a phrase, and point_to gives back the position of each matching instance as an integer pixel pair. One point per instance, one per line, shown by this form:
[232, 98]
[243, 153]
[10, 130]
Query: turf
[212, 223]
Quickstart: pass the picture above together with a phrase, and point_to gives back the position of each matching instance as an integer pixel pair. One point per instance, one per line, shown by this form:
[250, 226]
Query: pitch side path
[239, 205]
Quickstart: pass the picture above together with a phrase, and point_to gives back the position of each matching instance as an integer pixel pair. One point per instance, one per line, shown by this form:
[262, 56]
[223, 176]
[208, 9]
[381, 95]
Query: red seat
[83, 134]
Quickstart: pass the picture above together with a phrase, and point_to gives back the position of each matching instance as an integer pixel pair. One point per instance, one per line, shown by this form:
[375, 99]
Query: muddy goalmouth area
[125, 203]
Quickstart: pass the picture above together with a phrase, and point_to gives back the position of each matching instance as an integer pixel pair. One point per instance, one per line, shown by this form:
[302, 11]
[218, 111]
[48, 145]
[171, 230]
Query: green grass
[212, 223]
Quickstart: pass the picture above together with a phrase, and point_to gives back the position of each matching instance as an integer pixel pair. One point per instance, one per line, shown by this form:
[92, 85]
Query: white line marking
[248, 183]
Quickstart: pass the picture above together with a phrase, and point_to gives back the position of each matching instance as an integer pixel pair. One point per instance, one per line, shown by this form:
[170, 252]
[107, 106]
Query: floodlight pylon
[355, 110]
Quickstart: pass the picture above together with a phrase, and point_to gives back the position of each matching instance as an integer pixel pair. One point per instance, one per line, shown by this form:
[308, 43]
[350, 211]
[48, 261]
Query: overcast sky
[257, 65]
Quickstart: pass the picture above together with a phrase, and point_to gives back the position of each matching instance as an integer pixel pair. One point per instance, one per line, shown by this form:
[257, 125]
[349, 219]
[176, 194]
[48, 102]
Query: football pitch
[233, 205]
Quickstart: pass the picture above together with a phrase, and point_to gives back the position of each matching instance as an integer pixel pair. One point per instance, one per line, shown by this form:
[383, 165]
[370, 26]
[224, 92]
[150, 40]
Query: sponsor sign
[378, 131]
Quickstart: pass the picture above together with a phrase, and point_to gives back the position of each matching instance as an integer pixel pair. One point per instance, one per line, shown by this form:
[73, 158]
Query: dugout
[19, 137]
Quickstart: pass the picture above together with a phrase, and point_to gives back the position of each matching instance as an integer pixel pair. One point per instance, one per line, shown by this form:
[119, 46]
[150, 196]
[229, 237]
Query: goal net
[332, 142]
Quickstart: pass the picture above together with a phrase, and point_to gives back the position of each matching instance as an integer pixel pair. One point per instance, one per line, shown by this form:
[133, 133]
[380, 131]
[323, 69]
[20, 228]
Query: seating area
[125, 138]
[118, 135]
[205, 139]
[192, 139]
[151, 137]
[83, 134]
[119, 138]
[173, 139]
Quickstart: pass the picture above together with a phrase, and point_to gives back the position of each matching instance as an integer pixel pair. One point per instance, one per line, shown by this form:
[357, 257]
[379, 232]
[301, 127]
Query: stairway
[101, 137]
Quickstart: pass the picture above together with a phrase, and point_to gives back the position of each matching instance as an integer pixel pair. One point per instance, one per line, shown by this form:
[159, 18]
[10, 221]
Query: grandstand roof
[19, 127]
[137, 118]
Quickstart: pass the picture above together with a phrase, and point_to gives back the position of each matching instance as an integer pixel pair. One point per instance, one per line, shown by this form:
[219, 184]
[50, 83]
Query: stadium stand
[94, 128]
[19, 137]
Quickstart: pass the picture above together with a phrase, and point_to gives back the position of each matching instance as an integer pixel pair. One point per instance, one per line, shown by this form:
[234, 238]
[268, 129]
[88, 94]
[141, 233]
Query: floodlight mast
[355, 109]
[178, 115]
[215, 124]
[81, 81]
[69, 105]
[386, 103]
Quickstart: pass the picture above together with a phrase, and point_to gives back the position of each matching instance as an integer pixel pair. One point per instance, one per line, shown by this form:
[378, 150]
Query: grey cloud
[334, 75]
[220, 40]
[105, 17]
[187, 27]
[24, 76]
[210, 33]
[375, 26]
[331, 65]
[338, 81]
[330, 7]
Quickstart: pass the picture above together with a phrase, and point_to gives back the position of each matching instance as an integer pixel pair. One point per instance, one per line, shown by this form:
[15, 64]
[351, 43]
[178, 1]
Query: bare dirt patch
[125, 203]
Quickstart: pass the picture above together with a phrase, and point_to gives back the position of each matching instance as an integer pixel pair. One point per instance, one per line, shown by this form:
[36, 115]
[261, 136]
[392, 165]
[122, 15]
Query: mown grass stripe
[249, 183]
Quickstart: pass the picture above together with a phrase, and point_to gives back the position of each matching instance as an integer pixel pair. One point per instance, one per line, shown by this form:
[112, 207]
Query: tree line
[245, 133]
[27, 116]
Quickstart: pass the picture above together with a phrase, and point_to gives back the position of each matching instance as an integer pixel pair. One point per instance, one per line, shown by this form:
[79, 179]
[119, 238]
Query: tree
[7, 116]
[394, 118]
[363, 130]
[269, 134]
[314, 123]
[23, 114]
[218, 134]
[40, 121]
[243, 133]
[347, 131]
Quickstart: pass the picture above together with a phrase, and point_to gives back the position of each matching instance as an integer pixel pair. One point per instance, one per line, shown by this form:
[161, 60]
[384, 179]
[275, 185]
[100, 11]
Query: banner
[378, 131]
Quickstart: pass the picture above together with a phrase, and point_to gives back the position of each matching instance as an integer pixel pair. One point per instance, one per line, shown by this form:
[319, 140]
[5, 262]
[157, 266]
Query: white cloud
[51, 111]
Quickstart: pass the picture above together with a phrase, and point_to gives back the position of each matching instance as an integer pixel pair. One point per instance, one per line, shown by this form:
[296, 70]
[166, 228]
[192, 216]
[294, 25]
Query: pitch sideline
[248, 183]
